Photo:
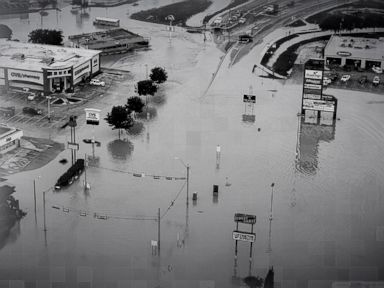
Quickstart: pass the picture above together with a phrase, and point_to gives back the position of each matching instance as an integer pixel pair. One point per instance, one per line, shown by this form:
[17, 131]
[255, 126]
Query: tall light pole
[34, 195]
[186, 166]
[49, 108]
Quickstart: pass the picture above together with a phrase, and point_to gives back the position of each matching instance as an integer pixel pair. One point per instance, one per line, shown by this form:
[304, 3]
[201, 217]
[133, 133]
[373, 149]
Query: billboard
[245, 218]
[249, 98]
[244, 236]
[313, 80]
[319, 105]
[92, 116]
[28, 76]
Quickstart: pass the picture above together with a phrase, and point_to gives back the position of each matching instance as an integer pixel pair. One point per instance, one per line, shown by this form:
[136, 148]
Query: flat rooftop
[364, 48]
[103, 36]
[33, 57]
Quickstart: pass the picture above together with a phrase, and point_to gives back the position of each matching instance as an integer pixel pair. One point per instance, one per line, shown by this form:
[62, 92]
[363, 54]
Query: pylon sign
[313, 98]
[92, 116]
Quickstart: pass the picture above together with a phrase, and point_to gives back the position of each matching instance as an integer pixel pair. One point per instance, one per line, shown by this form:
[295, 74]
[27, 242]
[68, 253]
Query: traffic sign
[244, 236]
[249, 98]
[245, 218]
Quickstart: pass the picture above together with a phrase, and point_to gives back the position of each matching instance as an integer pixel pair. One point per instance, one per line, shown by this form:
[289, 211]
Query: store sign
[27, 76]
[245, 218]
[312, 86]
[314, 74]
[81, 70]
[14, 136]
[319, 105]
[249, 98]
[313, 81]
[344, 53]
[312, 96]
[92, 116]
[244, 236]
[73, 146]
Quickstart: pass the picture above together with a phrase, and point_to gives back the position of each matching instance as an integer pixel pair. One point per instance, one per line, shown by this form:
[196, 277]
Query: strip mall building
[45, 68]
[355, 51]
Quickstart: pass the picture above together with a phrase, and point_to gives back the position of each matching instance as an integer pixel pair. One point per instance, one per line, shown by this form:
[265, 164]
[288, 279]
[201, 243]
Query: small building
[45, 68]
[112, 41]
[9, 138]
[355, 51]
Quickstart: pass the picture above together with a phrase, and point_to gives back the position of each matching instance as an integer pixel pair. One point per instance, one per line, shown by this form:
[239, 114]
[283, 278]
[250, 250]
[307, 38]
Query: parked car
[31, 96]
[32, 111]
[363, 79]
[326, 81]
[377, 70]
[376, 80]
[333, 76]
[345, 78]
[242, 20]
[97, 82]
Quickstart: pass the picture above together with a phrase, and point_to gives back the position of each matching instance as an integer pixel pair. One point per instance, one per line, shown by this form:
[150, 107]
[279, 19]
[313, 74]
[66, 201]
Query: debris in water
[63, 161]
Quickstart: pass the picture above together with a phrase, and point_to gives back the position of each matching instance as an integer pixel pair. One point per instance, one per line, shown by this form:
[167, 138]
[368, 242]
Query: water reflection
[120, 148]
[312, 130]
[10, 216]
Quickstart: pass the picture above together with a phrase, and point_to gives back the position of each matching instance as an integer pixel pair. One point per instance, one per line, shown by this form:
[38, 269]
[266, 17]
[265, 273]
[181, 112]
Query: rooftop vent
[48, 60]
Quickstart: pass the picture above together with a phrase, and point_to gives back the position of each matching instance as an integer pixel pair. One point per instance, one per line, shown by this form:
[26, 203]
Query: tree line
[122, 117]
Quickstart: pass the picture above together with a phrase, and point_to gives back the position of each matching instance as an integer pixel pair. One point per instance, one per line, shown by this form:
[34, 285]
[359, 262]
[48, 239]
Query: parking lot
[356, 81]
[34, 112]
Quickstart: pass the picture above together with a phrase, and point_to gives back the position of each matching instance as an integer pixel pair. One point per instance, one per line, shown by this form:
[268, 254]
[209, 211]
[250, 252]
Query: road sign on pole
[249, 98]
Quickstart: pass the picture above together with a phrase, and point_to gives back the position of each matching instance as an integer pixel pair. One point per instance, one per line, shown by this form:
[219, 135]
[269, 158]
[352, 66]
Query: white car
[242, 20]
[345, 78]
[97, 82]
[31, 97]
[376, 80]
[377, 70]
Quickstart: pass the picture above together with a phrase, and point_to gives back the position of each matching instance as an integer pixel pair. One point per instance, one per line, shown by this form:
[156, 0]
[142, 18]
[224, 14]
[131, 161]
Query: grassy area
[297, 23]
[362, 4]
[287, 59]
[273, 48]
[182, 11]
[233, 4]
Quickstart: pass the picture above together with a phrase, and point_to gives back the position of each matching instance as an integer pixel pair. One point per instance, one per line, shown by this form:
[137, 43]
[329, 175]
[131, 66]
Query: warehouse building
[9, 138]
[110, 41]
[45, 68]
[353, 51]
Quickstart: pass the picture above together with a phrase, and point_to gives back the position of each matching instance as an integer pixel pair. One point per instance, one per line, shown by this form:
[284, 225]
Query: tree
[146, 87]
[134, 104]
[119, 118]
[158, 75]
[5, 31]
[46, 36]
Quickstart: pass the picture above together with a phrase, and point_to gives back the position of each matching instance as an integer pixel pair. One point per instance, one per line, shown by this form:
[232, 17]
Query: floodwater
[327, 207]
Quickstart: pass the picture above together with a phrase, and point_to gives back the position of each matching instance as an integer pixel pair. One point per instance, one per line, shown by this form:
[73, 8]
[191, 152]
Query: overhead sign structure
[92, 116]
[245, 218]
[244, 236]
[73, 146]
[249, 98]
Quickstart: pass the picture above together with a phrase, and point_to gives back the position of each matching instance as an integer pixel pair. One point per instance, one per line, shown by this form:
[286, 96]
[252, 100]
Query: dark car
[32, 111]
[363, 79]
[333, 76]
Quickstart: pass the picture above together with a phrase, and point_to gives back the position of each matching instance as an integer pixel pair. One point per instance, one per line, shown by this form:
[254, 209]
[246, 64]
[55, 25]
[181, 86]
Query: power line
[141, 174]
[173, 201]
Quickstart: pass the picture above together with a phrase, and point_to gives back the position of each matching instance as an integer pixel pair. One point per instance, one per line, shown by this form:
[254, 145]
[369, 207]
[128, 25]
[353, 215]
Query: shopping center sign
[92, 116]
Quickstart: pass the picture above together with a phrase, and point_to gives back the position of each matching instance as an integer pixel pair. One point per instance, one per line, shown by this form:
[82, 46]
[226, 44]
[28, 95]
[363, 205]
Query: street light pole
[49, 108]
[187, 184]
[45, 225]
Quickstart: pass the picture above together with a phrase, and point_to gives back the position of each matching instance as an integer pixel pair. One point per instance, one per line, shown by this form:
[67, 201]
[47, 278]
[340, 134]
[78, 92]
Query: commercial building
[110, 41]
[45, 68]
[9, 138]
[354, 51]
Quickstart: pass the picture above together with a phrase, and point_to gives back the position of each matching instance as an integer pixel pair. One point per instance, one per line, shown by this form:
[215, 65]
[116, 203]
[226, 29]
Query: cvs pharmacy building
[45, 68]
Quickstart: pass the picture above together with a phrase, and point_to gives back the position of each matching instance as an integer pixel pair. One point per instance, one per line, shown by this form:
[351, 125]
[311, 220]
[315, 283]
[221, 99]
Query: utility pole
[34, 194]
[187, 184]
[49, 108]
[158, 231]
[45, 224]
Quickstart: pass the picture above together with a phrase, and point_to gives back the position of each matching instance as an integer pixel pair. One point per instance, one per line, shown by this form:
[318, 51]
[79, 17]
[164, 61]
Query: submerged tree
[158, 75]
[146, 87]
[119, 118]
[46, 36]
[134, 104]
